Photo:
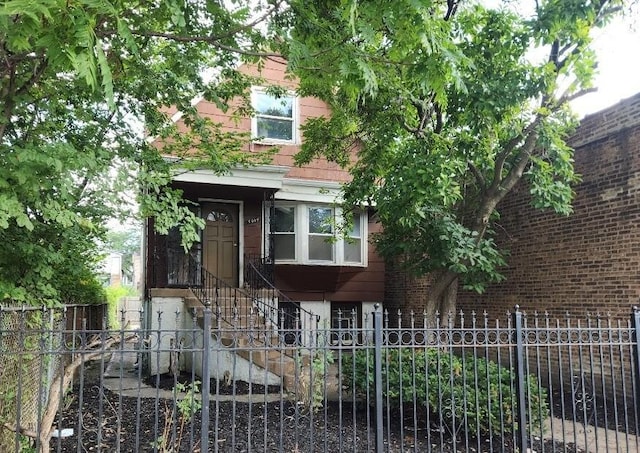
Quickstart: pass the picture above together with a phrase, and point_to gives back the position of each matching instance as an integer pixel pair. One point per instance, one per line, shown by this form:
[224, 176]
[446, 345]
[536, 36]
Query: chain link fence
[33, 350]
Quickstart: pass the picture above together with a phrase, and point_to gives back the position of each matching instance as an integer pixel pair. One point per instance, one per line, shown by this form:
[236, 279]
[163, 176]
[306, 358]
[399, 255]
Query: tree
[448, 105]
[78, 80]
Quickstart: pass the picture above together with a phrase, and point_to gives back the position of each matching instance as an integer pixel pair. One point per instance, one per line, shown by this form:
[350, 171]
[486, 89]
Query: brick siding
[586, 263]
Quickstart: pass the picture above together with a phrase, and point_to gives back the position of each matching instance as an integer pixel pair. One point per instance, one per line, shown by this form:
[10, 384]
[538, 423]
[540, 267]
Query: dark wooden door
[220, 248]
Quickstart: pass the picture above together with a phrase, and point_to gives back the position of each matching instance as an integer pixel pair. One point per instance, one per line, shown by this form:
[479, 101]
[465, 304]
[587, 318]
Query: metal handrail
[291, 313]
[228, 301]
[267, 305]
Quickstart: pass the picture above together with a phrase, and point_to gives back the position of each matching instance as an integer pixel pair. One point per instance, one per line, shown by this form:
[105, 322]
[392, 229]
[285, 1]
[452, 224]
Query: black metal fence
[393, 384]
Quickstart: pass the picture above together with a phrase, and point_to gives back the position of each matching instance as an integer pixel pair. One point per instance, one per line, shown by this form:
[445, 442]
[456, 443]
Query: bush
[454, 388]
[114, 294]
[82, 287]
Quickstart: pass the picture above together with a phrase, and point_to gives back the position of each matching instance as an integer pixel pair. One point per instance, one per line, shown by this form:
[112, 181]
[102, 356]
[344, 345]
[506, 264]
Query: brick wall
[586, 263]
[403, 291]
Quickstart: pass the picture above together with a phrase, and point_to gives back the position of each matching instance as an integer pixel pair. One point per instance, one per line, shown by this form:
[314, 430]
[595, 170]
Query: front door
[220, 241]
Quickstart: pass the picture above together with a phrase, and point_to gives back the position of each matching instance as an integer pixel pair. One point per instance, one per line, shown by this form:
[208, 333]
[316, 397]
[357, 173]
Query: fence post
[635, 320]
[206, 377]
[377, 341]
[521, 383]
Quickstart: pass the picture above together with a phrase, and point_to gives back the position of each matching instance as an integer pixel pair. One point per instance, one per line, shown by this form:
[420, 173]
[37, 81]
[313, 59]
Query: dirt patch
[585, 408]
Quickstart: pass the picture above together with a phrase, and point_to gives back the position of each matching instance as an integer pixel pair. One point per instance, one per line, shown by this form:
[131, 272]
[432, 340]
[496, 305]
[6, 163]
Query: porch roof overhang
[263, 176]
[309, 190]
[269, 177]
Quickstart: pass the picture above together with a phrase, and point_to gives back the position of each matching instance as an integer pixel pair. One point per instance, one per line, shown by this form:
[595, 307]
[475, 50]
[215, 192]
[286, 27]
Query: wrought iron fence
[392, 385]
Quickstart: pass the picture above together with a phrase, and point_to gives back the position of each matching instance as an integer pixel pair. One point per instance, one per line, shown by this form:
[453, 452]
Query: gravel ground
[105, 420]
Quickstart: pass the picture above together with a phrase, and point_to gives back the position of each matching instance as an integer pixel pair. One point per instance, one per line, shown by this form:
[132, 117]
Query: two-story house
[272, 224]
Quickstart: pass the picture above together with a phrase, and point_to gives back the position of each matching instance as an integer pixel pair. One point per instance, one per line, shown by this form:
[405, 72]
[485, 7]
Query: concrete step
[251, 338]
[268, 354]
[281, 365]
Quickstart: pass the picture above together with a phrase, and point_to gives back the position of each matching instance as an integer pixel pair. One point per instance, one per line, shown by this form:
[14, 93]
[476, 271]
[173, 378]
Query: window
[353, 241]
[345, 317]
[321, 234]
[219, 215]
[306, 234]
[284, 233]
[275, 117]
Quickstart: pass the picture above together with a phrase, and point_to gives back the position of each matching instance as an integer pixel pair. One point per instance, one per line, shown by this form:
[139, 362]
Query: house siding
[273, 72]
[335, 283]
[300, 282]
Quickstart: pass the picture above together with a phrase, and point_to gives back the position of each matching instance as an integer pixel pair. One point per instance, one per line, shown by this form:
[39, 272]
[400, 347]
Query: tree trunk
[448, 302]
[442, 298]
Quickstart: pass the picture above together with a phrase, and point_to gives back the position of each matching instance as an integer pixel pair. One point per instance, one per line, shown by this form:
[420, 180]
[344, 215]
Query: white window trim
[301, 232]
[295, 120]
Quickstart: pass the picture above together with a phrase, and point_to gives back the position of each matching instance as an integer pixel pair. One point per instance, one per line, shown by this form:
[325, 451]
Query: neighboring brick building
[588, 262]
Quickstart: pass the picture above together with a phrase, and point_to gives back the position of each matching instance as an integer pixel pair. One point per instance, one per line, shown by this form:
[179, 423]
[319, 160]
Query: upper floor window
[275, 119]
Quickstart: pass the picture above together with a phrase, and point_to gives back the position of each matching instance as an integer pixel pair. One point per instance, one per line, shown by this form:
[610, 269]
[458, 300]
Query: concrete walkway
[590, 438]
[122, 376]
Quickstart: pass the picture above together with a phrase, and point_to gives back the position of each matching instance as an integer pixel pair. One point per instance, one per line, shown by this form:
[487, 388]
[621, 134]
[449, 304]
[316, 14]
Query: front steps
[245, 331]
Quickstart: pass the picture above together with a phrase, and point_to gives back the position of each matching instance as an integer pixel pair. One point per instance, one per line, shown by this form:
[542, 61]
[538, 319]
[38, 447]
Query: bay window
[305, 233]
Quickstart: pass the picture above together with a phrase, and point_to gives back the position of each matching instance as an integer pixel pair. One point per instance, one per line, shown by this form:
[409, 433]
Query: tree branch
[497, 192]
[501, 158]
[452, 7]
[439, 120]
[213, 40]
[515, 173]
[252, 24]
[477, 174]
[35, 77]
[565, 97]
[8, 95]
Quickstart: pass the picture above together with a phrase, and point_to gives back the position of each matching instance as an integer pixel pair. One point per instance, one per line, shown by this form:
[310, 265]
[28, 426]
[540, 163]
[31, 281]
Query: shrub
[114, 294]
[463, 392]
